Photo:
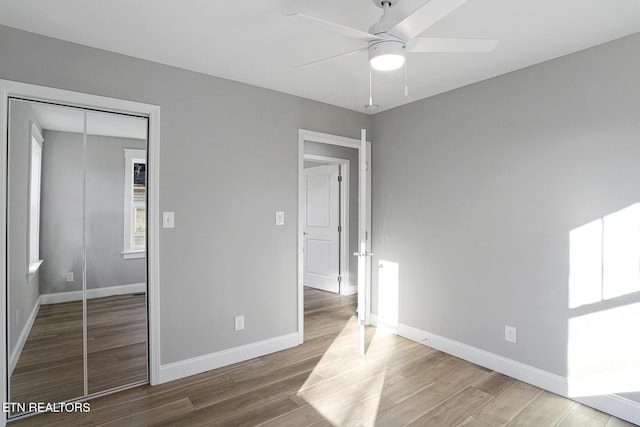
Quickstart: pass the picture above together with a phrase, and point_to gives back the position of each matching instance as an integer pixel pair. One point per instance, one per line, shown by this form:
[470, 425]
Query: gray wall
[475, 193]
[61, 219]
[228, 161]
[62, 204]
[23, 290]
[351, 154]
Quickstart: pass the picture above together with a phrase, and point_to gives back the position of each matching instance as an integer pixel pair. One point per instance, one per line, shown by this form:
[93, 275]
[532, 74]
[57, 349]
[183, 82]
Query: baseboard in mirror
[22, 339]
[59, 297]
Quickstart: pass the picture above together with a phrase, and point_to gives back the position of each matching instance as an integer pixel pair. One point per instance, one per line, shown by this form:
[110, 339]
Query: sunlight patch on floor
[353, 383]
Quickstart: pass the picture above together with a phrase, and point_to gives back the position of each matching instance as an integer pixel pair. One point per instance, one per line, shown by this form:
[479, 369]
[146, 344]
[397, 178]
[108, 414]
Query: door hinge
[339, 229]
[339, 279]
[339, 178]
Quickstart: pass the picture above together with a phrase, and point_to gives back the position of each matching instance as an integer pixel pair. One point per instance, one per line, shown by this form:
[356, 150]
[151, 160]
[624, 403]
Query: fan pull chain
[406, 85]
[370, 90]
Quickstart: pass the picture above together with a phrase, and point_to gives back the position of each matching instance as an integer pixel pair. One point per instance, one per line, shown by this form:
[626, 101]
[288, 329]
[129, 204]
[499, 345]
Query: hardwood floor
[50, 367]
[324, 382]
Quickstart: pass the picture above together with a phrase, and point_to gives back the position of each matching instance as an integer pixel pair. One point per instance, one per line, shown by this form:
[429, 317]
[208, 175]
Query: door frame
[345, 286]
[325, 138]
[152, 112]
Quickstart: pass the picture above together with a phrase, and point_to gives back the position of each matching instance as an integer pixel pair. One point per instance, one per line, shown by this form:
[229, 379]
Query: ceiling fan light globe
[388, 62]
[387, 55]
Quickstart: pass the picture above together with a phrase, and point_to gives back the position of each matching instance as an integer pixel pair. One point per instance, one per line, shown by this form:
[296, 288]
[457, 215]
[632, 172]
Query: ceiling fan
[389, 40]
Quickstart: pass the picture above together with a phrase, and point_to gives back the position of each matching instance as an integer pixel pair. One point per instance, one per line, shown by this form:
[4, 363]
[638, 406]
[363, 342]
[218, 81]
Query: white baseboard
[350, 290]
[613, 404]
[93, 293]
[196, 365]
[22, 339]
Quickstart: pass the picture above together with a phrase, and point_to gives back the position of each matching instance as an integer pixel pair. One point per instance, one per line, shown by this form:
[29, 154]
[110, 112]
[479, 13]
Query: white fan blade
[329, 58]
[347, 31]
[435, 45]
[424, 17]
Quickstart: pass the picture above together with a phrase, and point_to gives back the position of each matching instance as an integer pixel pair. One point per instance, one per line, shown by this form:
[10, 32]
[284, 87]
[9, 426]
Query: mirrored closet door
[76, 245]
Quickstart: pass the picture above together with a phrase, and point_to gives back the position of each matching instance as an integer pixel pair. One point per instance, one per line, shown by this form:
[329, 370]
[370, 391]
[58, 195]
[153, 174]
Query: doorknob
[363, 253]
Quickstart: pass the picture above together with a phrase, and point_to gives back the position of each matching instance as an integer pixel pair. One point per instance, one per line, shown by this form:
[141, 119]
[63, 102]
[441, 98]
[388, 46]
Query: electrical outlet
[69, 276]
[510, 334]
[279, 217]
[239, 323]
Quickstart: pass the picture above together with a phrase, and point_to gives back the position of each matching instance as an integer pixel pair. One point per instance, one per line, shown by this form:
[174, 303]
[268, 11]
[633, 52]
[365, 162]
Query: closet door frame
[11, 89]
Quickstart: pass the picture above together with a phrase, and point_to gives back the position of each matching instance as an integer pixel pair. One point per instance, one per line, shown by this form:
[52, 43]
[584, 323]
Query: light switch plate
[279, 217]
[168, 220]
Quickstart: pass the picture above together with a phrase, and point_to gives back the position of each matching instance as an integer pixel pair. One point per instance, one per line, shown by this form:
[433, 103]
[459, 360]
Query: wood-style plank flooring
[324, 382]
[50, 367]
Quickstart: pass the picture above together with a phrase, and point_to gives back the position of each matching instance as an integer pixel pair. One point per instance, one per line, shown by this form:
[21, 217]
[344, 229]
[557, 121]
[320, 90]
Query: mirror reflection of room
[77, 309]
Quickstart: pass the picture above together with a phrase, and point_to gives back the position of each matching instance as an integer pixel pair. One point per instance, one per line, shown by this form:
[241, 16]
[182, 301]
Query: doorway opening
[327, 225]
[327, 205]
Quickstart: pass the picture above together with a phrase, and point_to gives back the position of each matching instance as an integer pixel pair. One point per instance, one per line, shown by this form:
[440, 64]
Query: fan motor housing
[377, 48]
[380, 3]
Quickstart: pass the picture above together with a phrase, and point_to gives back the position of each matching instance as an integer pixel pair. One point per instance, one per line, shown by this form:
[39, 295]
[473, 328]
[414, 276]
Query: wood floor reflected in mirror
[50, 367]
[116, 341]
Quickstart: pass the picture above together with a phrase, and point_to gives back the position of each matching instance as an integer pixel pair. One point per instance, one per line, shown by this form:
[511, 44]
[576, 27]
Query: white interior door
[364, 237]
[321, 221]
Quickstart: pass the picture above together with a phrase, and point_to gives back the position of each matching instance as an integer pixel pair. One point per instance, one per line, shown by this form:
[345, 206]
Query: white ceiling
[66, 119]
[253, 41]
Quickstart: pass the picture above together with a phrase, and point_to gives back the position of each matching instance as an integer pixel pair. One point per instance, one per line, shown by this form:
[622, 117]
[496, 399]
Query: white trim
[325, 138]
[131, 156]
[4, 102]
[613, 404]
[346, 288]
[33, 202]
[153, 244]
[196, 365]
[35, 132]
[107, 291]
[364, 210]
[134, 254]
[22, 339]
[345, 195]
[11, 88]
[350, 289]
[34, 267]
